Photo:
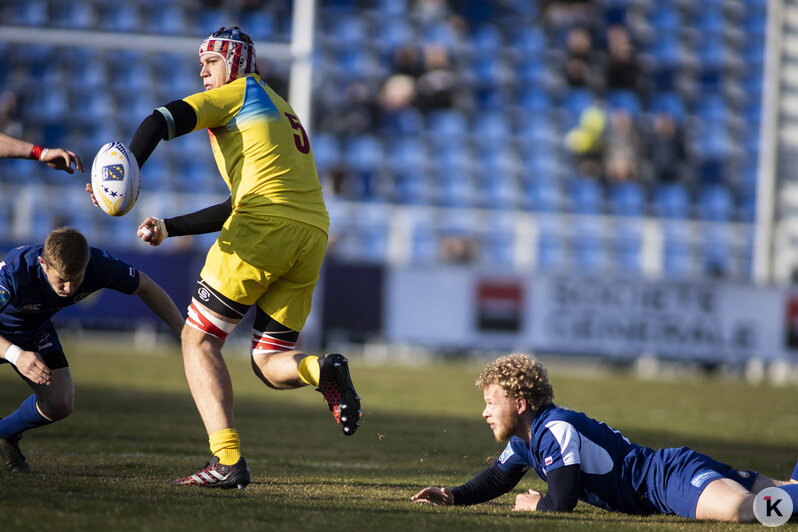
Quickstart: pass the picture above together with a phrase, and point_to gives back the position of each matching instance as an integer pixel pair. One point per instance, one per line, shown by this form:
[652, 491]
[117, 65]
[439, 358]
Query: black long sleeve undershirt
[564, 488]
[150, 132]
[154, 128]
[207, 220]
[490, 483]
[561, 496]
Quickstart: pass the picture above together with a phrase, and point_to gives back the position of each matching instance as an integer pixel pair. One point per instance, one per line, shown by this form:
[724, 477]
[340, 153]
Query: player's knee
[55, 409]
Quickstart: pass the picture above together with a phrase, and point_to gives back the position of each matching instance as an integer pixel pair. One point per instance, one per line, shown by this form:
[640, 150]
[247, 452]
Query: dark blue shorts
[677, 477]
[44, 341]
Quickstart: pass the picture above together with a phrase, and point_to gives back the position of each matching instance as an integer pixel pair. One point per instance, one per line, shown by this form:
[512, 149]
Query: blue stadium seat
[626, 100]
[408, 153]
[455, 189]
[530, 41]
[326, 150]
[552, 249]
[586, 196]
[491, 127]
[487, 40]
[715, 203]
[448, 126]
[627, 199]
[678, 258]
[496, 245]
[587, 247]
[542, 194]
[413, 187]
[626, 247]
[717, 251]
[364, 153]
[671, 200]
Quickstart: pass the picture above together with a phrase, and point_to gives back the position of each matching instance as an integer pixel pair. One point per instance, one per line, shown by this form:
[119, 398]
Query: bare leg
[279, 370]
[726, 500]
[208, 379]
[57, 400]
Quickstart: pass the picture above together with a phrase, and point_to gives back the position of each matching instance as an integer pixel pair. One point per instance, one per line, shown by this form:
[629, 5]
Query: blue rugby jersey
[612, 469]
[27, 300]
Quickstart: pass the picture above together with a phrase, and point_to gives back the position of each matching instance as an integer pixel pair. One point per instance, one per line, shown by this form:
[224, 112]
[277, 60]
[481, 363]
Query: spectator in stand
[622, 148]
[666, 150]
[622, 69]
[581, 64]
[586, 141]
[440, 86]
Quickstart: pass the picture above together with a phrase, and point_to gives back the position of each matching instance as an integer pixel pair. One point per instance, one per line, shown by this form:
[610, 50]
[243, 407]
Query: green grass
[107, 466]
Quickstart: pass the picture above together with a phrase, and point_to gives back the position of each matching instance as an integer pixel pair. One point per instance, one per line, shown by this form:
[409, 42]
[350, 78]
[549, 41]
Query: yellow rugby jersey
[262, 151]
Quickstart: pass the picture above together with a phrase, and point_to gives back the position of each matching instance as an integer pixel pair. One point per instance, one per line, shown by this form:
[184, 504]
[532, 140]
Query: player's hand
[152, 231]
[91, 193]
[527, 502]
[31, 365]
[434, 496]
[62, 159]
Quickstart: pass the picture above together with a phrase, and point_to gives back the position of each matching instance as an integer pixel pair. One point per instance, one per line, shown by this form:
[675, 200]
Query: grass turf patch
[135, 427]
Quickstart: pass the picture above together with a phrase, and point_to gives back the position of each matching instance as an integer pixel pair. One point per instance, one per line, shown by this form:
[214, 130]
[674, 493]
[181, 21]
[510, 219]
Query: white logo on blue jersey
[701, 478]
[506, 453]
[5, 295]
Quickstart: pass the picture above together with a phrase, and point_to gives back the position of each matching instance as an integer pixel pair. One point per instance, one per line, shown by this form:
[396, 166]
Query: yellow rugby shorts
[269, 260]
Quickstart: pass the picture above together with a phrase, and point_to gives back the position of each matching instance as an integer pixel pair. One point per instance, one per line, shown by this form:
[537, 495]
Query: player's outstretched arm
[159, 302]
[29, 363]
[58, 158]
[434, 496]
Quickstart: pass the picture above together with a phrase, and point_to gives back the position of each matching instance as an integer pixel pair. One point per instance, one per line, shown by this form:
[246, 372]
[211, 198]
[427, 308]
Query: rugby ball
[115, 179]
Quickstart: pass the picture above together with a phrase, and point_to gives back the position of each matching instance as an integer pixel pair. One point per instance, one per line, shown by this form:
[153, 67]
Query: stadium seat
[715, 203]
[626, 246]
[552, 248]
[671, 200]
[586, 196]
[627, 199]
[587, 247]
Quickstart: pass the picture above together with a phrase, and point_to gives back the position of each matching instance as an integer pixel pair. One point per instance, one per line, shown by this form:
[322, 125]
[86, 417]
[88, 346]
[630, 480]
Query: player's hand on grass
[527, 502]
[152, 231]
[31, 365]
[62, 159]
[434, 496]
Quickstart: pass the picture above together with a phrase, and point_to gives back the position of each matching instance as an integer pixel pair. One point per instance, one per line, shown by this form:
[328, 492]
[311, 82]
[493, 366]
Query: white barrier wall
[454, 307]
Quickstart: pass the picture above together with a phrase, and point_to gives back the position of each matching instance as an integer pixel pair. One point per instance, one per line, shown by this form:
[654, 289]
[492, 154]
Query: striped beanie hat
[235, 48]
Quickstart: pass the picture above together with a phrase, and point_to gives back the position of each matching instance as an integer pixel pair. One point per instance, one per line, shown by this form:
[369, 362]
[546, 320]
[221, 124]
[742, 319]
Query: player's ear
[521, 405]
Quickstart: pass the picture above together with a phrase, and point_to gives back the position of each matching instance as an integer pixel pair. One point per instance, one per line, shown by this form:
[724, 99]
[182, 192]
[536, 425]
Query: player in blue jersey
[35, 283]
[584, 459]
[58, 158]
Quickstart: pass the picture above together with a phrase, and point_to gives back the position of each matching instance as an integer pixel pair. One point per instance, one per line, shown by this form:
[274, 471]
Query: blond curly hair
[519, 375]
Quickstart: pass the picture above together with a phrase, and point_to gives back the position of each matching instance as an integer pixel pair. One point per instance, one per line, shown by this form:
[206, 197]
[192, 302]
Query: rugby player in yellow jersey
[272, 240]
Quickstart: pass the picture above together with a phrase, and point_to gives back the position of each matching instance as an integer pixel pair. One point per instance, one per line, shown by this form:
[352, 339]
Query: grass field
[134, 428]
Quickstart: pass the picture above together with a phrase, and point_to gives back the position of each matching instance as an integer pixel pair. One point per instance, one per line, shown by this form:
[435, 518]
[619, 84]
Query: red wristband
[36, 153]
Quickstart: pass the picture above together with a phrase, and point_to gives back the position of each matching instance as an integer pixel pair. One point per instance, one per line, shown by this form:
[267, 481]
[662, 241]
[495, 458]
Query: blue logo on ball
[113, 172]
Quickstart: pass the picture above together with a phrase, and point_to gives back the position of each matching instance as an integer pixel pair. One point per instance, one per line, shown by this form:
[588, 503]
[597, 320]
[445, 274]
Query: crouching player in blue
[35, 283]
[583, 459]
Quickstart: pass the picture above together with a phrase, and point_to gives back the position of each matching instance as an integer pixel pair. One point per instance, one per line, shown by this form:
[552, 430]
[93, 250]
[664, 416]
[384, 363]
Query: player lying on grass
[58, 158]
[35, 283]
[584, 459]
[272, 241]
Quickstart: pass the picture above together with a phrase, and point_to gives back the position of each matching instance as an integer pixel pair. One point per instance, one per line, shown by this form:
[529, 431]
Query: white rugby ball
[115, 179]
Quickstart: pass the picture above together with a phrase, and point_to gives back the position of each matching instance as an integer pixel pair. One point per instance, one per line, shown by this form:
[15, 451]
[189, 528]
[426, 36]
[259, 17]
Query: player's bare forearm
[159, 302]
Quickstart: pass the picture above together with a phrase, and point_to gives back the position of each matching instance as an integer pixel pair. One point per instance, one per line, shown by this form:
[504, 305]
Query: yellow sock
[309, 370]
[226, 446]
